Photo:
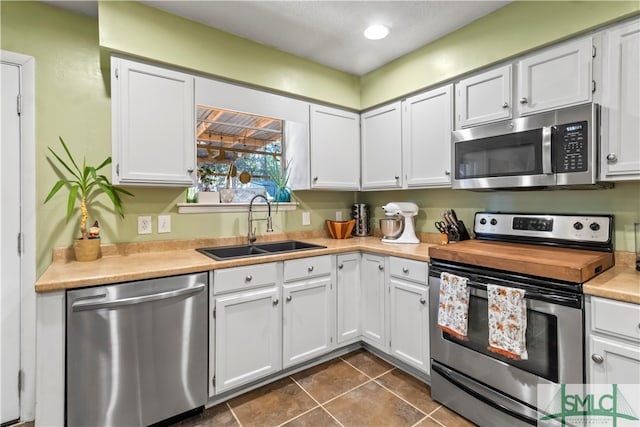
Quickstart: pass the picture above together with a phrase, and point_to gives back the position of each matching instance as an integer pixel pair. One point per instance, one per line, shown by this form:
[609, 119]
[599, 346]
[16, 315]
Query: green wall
[73, 101]
[516, 28]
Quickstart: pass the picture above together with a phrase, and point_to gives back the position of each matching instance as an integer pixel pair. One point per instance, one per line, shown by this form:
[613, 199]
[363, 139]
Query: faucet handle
[269, 225]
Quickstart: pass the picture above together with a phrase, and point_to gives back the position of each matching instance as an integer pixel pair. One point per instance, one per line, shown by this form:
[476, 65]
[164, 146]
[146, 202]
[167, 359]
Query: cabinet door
[348, 298]
[374, 301]
[484, 98]
[308, 320]
[335, 148]
[248, 340]
[409, 323]
[555, 78]
[153, 125]
[612, 361]
[426, 139]
[621, 103]
[382, 147]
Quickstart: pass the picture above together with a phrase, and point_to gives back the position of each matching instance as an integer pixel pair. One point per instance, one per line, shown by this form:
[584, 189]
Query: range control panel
[573, 228]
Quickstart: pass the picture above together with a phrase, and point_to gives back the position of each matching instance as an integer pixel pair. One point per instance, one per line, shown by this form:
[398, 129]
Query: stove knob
[493, 221]
[577, 225]
[594, 226]
[483, 221]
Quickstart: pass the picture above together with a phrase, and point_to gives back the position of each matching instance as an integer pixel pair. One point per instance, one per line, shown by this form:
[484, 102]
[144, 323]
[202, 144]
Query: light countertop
[127, 262]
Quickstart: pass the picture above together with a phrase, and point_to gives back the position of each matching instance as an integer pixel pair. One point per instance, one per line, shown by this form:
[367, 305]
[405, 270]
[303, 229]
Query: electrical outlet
[144, 225]
[338, 216]
[306, 218]
[164, 223]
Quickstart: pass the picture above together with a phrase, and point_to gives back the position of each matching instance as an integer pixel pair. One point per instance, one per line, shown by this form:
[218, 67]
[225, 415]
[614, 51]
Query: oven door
[553, 337]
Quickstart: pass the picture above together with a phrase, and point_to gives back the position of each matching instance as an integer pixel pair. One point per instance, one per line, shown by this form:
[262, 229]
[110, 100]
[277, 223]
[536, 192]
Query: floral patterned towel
[453, 307]
[507, 321]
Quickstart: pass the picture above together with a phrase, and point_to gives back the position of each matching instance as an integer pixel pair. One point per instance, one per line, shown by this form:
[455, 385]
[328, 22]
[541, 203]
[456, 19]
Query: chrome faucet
[252, 231]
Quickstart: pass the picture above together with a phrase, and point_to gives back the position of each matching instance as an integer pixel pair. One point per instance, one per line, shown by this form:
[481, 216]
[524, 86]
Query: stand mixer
[404, 211]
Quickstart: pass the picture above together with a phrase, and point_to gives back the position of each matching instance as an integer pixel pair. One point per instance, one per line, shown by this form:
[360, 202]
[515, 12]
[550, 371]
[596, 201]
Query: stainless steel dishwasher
[137, 351]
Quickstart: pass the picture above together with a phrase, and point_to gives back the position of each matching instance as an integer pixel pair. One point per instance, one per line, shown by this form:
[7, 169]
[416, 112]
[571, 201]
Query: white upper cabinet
[427, 121]
[335, 148]
[484, 98]
[620, 154]
[153, 125]
[555, 78]
[382, 147]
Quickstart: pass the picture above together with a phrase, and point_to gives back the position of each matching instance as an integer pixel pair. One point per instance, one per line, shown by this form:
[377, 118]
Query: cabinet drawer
[241, 278]
[615, 317]
[303, 268]
[409, 269]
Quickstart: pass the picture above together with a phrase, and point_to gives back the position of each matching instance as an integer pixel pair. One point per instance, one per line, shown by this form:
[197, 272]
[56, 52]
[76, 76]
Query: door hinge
[214, 313]
[593, 86]
[389, 343]
[118, 169]
[331, 339]
[116, 72]
[19, 104]
[19, 243]
[20, 380]
[593, 51]
[213, 381]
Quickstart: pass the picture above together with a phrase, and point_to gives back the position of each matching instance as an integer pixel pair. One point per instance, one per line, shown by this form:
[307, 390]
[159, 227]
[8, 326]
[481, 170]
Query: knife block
[461, 234]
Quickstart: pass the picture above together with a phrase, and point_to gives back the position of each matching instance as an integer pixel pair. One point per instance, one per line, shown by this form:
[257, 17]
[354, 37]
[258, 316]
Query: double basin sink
[269, 248]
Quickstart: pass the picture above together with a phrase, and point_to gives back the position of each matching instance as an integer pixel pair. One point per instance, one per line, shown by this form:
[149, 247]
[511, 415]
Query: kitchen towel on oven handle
[453, 307]
[507, 321]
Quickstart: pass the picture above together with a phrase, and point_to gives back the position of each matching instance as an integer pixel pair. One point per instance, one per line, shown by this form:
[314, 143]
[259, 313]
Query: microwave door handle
[547, 165]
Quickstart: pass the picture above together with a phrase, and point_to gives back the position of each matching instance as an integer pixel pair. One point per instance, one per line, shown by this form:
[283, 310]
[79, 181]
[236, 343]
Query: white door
[382, 147]
[307, 320]
[426, 139]
[555, 78]
[9, 256]
[484, 98]
[335, 148]
[409, 323]
[613, 361]
[348, 298]
[621, 103]
[373, 301]
[248, 337]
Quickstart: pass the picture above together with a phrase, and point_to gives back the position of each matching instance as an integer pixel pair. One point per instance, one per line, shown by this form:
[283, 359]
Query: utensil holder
[360, 212]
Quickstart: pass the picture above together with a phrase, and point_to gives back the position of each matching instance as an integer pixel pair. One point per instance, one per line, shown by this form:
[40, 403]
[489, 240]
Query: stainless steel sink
[269, 248]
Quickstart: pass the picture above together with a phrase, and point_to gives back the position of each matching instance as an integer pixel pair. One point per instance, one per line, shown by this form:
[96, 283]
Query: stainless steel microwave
[556, 148]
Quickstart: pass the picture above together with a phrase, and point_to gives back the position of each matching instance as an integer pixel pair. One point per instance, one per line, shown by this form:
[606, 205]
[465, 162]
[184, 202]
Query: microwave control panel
[572, 151]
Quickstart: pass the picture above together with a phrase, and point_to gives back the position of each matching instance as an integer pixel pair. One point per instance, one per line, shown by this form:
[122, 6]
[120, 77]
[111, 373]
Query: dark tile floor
[358, 389]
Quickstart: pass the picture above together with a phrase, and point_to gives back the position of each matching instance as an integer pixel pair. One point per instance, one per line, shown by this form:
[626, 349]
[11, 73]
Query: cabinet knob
[288, 298]
[505, 105]
[190, 171]
[380, 267]
[310, 268]
[447, 172]
[340, 266]
[423, 301]
[612, 158]
[405, 270]
[397, 177]
[315, 178]
[523, 100]
[248, 278]
[276, 301]
[597, 358]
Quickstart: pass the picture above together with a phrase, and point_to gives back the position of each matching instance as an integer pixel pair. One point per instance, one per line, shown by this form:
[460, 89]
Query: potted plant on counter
[84, 185]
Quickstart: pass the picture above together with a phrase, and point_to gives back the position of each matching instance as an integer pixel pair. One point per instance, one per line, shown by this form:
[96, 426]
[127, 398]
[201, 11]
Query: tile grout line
[403, 399]
[233, 413]
[320, 405]
[364, 373]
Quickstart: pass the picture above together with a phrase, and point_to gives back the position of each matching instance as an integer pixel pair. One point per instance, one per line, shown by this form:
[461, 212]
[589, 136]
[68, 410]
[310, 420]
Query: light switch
[164, 223]
[306, 218]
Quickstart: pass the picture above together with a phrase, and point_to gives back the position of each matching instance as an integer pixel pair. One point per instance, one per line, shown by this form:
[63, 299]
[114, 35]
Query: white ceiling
[327, 32]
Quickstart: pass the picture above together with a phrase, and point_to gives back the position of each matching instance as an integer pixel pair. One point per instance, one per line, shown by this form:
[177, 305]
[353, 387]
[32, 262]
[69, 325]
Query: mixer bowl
[391, 228]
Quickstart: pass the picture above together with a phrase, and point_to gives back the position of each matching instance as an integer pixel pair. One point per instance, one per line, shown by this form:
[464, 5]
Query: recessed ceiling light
[376, 32]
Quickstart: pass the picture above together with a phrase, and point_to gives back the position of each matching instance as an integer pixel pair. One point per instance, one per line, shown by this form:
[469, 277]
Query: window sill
[234, 207]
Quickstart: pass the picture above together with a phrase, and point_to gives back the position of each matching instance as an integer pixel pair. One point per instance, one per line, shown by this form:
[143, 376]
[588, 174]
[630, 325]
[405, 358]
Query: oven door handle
[450, 376]
[480, 290]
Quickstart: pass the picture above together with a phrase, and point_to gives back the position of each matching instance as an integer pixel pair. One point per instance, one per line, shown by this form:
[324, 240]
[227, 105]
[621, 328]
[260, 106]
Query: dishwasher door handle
[83, 305]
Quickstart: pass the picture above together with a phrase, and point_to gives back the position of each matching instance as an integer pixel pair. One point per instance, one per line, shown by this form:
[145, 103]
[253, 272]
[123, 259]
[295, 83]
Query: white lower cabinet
[348, 298]
[308, 311]
[373, 302]
[247, 335]
[409, 312]
[613, 332]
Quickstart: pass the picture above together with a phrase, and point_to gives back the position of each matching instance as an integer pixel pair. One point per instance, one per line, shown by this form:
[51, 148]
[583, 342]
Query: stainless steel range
[548, 257]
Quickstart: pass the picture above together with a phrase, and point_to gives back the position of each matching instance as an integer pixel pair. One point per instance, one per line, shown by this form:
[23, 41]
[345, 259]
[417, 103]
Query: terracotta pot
[87, 250]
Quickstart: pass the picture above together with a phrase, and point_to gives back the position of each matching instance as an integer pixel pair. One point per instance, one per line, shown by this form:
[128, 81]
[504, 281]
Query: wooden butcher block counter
[570, 265]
